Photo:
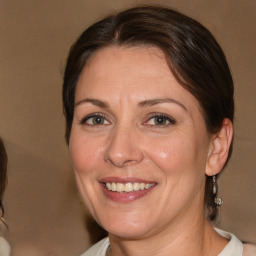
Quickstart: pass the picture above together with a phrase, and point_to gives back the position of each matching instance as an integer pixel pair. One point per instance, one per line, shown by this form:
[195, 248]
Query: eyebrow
[144, 103]
[98, 103]
[152, 102]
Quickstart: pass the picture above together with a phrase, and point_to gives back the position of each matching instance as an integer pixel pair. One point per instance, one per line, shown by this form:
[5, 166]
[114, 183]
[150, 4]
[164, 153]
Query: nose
[123, 148]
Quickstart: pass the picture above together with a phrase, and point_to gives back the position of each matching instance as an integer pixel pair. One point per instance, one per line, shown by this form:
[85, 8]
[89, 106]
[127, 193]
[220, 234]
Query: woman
[4, 245]
[148, 101]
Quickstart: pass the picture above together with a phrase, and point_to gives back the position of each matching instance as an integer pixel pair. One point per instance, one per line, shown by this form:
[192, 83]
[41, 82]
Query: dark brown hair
[193, 55]
[3, 168]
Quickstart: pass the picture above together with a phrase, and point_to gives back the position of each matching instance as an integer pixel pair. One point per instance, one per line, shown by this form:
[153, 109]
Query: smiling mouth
[128, 187]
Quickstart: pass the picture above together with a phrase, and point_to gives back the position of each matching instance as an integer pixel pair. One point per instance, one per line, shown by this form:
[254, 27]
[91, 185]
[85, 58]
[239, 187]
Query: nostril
[129, 162]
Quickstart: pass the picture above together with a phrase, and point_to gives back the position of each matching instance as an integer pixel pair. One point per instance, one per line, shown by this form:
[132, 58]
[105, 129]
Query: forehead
[149, 61]
[130, 72]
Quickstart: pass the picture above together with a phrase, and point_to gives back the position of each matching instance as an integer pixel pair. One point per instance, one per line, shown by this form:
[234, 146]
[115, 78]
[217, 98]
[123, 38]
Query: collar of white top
[234, 247]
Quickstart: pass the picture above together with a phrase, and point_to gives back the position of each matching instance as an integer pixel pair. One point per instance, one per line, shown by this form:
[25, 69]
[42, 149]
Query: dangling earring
[218, 201]
[2, 216]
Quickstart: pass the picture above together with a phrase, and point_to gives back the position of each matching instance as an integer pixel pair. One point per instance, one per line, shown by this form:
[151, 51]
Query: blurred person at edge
[4, 245]
[148, 101]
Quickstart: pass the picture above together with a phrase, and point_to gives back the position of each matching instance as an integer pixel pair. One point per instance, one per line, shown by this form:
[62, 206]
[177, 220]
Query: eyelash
[85, 119]
[163, 116]
[151, 116]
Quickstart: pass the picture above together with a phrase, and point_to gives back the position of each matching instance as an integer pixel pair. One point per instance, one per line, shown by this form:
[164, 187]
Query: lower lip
[125, 197]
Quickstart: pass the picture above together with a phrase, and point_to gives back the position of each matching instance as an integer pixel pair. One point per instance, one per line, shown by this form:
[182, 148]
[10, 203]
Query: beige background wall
[43, 208]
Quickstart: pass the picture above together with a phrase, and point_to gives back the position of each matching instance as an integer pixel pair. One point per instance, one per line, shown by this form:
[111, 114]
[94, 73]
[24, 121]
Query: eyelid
[154, 115]
[150, 116]
[87, 117]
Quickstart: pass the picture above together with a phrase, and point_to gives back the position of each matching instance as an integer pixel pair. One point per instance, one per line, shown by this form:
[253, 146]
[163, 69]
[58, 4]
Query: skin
[120, 85]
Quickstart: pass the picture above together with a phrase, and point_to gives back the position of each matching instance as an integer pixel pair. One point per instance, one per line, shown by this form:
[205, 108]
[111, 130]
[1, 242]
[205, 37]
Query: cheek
[173, 154]
[84, 152]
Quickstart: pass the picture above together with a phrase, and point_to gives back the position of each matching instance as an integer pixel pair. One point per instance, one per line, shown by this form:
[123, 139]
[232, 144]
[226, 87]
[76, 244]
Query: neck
[194, 238]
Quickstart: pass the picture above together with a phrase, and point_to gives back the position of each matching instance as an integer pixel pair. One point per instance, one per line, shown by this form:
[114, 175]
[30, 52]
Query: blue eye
[95, 119]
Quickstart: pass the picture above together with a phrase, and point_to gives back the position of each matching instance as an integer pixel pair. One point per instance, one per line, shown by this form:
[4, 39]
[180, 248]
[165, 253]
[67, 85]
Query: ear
[219, 148]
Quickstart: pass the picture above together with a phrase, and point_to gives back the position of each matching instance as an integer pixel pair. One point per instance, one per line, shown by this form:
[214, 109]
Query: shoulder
[249, 250]
[99, 249]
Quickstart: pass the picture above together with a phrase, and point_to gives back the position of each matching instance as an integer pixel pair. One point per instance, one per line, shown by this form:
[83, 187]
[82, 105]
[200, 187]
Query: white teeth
[136, 186]
[119, 187]
[113, 186]
[128, 187]
[147, 186]
[108, 185]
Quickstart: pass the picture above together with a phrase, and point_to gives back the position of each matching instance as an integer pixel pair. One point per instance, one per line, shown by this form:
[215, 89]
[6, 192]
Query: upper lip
[125, 180]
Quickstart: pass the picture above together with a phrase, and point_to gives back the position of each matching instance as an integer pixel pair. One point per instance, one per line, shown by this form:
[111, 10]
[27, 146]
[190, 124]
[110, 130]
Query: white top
[233, 248]
[99, 249]
[5, 248]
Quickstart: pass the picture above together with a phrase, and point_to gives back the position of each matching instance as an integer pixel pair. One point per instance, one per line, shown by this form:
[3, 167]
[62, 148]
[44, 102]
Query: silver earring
[218, 201]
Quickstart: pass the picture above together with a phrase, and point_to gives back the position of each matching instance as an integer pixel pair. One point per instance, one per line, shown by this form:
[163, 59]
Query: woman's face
[138, 143]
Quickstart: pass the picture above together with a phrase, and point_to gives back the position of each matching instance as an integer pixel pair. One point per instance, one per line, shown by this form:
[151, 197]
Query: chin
[128, 232]
[131, 227]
